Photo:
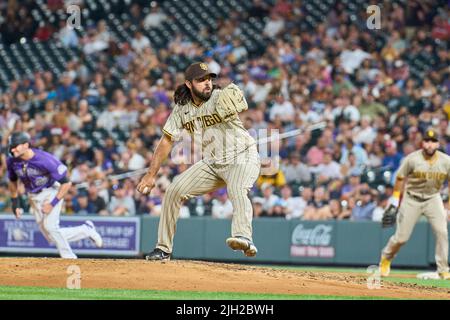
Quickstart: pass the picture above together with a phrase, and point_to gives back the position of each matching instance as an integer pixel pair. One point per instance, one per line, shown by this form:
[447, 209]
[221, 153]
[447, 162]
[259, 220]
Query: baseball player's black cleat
[157, 255]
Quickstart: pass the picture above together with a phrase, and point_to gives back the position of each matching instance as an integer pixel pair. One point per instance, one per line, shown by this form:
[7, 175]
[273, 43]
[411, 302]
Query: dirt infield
[182, 275]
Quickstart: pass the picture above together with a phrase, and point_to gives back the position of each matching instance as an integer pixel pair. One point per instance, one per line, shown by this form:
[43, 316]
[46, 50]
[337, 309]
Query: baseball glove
[231, 101]
[389, 216]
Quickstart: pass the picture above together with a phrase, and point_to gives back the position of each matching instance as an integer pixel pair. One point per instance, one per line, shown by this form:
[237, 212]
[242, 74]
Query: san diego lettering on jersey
[429, 175]
[203, 121]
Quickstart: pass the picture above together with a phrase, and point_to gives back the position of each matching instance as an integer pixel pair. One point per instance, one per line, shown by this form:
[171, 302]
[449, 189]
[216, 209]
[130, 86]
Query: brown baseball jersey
[220, 142]
[425, 177]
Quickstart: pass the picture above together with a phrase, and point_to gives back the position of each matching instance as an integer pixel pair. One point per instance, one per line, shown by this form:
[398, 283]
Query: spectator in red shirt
[55, 5]
[441, 29]
[44, 32]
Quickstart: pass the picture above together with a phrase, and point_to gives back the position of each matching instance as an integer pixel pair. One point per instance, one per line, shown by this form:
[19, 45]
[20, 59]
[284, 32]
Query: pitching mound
[184, 275]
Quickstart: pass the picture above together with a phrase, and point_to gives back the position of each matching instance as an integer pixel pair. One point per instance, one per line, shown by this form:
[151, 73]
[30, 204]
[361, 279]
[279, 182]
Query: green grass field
[42, 293]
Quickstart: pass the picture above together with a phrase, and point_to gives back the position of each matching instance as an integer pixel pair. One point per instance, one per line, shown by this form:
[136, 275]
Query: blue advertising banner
[121, 236]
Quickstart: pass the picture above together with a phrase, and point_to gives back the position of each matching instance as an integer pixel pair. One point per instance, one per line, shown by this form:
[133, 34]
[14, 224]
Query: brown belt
[416, 197]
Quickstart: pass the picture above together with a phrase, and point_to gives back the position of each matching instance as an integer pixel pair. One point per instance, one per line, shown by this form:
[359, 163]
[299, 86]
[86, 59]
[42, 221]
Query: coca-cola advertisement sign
[312, 241]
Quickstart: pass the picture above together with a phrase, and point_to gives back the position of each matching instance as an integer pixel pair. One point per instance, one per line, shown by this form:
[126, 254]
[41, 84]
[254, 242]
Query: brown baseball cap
[431, 134]
[198, 70]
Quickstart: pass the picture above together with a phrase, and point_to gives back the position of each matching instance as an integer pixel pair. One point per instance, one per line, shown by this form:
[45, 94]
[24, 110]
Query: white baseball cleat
[241, 243]
[93, 234]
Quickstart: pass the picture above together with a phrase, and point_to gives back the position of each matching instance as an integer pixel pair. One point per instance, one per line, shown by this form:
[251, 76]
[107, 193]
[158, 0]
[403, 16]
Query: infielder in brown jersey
[229, 157]
[425, 171]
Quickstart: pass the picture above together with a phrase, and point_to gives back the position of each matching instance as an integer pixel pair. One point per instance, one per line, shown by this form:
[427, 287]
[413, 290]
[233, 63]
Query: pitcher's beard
[200, 95]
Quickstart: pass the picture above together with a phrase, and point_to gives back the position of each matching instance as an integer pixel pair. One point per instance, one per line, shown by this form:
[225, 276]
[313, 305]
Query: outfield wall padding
[357, 243]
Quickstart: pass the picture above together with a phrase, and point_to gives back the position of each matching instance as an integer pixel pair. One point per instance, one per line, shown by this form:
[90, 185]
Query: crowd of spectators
[375, 109]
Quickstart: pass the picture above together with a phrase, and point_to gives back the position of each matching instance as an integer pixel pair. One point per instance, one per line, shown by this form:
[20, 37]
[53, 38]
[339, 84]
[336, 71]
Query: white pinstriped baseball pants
[202, 178]
[49, 223]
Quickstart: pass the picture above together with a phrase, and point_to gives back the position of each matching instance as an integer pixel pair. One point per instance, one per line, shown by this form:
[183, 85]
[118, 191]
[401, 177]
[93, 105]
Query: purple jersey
[38, 173]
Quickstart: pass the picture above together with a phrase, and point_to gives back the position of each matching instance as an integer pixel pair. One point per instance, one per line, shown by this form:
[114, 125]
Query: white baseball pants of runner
[49, 223]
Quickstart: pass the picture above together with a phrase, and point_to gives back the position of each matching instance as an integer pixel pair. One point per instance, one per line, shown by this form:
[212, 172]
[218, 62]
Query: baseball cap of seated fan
[431, 135]
[198, 70]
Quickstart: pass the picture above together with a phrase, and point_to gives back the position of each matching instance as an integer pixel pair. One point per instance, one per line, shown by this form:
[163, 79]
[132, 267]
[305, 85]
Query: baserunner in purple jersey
[46, 183]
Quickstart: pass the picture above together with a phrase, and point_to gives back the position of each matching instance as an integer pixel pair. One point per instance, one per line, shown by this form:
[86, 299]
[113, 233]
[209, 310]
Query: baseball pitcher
[423, 172]
[46, 184]
[229, 157]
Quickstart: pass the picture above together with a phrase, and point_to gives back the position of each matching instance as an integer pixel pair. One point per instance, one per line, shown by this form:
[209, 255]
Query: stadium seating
[187, 17]
[23, 58]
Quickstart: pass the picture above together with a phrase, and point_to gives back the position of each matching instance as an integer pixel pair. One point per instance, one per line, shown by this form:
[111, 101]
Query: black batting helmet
[17, 138]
